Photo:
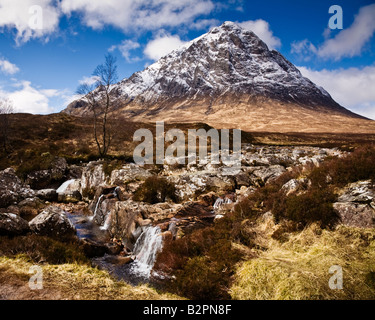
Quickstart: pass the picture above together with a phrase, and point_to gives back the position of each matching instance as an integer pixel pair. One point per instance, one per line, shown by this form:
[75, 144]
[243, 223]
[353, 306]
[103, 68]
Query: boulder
[295, 185]
[53, 222]
[47, 195]
[12, 225]
[361, 192]
[356, 206]
[129, 172]
[93, 249]
[12, 190]
[355, 214]
[93, 176]
[269, 173]
[69, 191]
[45, 178]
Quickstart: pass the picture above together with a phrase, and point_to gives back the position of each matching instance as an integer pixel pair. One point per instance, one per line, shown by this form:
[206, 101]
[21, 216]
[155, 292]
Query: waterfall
[107, 222]
[220, 201]
[149, 243]
[96, 207]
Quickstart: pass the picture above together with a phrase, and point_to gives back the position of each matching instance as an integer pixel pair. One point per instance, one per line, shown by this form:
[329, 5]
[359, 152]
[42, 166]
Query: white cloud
[262, 29]
[21, 16]
[349, 42]
[29, 99]
[162, 45]
[125, 47]
[137, 14]
[352, 88]
[8, 67]
[89, 80]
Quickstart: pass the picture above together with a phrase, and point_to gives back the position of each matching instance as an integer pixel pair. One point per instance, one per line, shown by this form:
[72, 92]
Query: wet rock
[53, 222]
[12, 190]
[47, 195]
[13, 225]
[113, 248]
[167, 236]
[69, 191]
[118, 260]
[93, 249]
[173, 228]
[93, 176]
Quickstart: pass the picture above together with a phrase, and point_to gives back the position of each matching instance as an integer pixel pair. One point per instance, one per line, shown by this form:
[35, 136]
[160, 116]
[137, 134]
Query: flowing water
[147, 246]
[220, 201]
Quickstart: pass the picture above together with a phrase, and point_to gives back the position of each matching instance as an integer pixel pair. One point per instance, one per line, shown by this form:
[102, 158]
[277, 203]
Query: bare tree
[100, 99]
[6, 108]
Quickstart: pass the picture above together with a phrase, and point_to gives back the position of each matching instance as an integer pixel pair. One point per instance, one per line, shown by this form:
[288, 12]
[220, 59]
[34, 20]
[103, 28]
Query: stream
[145, 250]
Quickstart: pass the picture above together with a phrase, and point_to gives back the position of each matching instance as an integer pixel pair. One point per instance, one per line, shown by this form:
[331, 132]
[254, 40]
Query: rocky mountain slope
[229, 78]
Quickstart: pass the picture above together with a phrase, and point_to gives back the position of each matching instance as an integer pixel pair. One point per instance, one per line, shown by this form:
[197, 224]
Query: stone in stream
[53, 222]
[12, 225]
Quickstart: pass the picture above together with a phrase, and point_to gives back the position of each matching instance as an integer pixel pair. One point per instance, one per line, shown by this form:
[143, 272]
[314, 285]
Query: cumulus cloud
[8, 67]
[262, 29]
[137, 14]
[29, 18]
[352, 88]
[125, 47]
[349, 42]
[162, 45]
[26, 98]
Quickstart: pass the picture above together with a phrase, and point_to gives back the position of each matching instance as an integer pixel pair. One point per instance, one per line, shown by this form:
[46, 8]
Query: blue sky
[41, 65]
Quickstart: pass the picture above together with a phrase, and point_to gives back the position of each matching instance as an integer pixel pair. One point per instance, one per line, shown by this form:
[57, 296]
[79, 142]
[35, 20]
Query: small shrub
[202, 280]
[156, 190]
[42, 249]
[316, 205]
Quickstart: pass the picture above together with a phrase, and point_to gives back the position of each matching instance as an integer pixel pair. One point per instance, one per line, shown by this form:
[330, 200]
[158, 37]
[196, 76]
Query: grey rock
[53, 222]
[12, 190]
[45, 178]
[12, 225]
[355, 214]
[47, 195]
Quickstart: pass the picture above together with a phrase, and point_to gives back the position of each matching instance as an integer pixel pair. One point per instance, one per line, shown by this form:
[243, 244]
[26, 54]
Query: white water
[107, 222]
[149, 243]
[64, 186]
[220, 201]
[96, 207]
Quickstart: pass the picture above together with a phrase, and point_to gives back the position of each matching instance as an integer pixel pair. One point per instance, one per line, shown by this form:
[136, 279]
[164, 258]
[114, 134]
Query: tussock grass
[298, 269]
[68, 281]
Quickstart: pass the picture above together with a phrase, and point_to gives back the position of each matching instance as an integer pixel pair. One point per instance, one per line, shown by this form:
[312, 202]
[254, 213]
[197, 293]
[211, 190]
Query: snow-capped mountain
[224, 76]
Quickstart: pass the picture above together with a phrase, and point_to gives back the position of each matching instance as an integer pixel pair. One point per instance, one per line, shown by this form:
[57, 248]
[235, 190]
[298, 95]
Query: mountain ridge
[226, 77]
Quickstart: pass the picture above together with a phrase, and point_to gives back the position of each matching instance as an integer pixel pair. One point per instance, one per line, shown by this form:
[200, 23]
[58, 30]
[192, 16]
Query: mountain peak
[227, 67]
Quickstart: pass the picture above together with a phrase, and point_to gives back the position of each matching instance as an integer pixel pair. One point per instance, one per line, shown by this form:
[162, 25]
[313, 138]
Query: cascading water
[220, 201]
[149, 243]
[106, 222]
[96, 207]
